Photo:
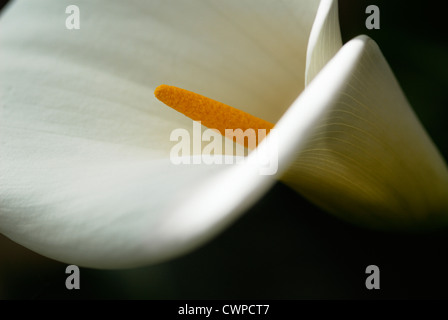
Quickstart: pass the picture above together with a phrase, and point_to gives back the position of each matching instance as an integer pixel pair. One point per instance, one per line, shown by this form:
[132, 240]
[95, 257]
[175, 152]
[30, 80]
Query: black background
[284, 247]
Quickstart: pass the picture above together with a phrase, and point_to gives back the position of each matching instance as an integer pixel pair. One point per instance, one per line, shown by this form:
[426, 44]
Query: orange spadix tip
[212, 114]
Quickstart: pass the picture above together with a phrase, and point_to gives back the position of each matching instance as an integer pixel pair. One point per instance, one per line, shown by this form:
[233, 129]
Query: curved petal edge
[368, 159]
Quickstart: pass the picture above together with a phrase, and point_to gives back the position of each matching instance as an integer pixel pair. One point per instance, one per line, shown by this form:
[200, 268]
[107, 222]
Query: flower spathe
[368, 159]
[85, 171]
[86, 174]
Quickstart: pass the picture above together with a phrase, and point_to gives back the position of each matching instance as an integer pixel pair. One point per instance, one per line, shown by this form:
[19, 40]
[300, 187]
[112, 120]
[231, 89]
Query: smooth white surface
[84, 163]
[367, 159]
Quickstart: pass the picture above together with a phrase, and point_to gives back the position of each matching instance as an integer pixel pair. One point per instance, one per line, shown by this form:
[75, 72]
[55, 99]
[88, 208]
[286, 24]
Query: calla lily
[85, 171]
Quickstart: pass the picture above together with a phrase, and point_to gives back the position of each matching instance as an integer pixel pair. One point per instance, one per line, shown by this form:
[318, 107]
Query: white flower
[85, 175]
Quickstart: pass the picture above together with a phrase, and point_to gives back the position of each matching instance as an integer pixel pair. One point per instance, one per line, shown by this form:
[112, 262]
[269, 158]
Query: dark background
[284, 247]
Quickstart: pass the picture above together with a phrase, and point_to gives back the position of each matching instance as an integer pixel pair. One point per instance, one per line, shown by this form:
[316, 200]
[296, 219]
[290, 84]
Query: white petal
[85, 174]
[368, 159]
[122, 214]
[325, 38]
[249, 54]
